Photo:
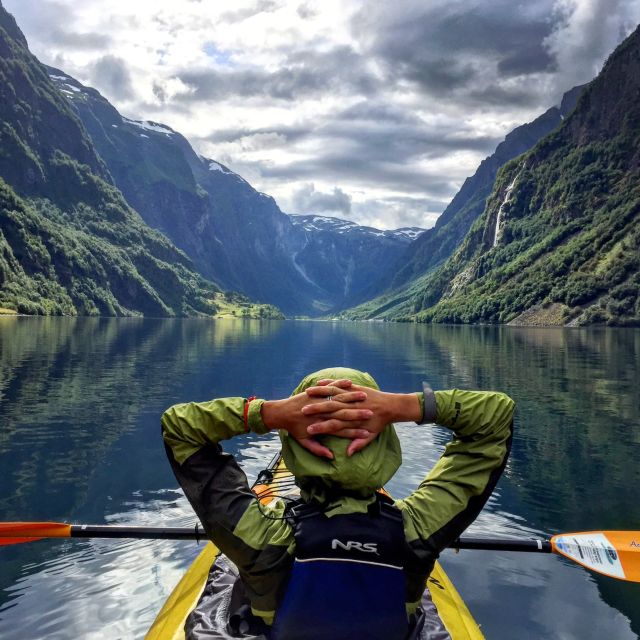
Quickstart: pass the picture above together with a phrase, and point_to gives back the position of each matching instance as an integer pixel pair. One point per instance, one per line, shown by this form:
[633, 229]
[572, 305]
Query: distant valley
[235, 235]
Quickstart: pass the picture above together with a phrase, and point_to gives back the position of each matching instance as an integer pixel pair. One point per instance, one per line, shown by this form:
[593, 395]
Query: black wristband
[430, 409]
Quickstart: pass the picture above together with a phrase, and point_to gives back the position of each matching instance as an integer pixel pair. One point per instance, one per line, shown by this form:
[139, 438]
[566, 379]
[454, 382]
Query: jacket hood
[362, 473]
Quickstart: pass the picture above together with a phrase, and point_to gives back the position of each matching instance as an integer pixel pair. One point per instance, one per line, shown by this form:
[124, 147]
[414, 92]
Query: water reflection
[79, 406]
[516, 595]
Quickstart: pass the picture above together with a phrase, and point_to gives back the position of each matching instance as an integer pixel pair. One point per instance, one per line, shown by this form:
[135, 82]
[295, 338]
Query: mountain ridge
[354, 254]
[559, 236]
[440, 241]
[236, 235]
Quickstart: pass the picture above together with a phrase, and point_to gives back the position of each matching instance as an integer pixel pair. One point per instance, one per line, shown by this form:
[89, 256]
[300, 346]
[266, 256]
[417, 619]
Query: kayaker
[343, 563]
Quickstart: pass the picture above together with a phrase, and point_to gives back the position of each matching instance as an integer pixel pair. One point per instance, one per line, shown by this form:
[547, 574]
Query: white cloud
[586, 33]
[392, 104]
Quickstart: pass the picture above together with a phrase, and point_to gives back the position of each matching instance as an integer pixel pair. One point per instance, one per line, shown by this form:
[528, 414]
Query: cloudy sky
[372, 110]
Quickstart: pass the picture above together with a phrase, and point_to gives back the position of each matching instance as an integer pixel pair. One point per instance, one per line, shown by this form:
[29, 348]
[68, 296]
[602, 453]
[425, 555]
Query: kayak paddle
[611, 553]
[18, 532]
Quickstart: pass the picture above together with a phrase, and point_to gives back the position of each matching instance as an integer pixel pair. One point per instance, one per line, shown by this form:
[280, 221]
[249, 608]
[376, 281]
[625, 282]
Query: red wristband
[246, 412]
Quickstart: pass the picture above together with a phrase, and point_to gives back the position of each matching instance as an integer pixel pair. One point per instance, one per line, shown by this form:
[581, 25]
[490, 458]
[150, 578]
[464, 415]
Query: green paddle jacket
[260, 542]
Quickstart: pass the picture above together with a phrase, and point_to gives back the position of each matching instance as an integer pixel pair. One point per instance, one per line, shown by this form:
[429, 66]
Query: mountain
[235, 235]
[558, 241]
[357, 255]
[69, 243]
[438, 243]
[346, 228]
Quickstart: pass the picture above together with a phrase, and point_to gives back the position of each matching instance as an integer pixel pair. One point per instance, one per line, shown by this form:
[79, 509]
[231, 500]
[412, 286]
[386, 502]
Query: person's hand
[323, 399]
[347, 419]
[385, 408]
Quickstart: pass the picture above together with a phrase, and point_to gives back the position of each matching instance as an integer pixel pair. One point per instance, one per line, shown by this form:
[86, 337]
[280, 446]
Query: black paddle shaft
[505, 544]
[140, 533]
[196, 533]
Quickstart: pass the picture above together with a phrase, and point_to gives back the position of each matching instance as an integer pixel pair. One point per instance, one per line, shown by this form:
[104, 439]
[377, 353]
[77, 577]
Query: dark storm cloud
[382, 133]
[283, 84]
[438, 74]
[305, 73]
[109, 74]
[376, 139]
[450, 49]
[496, 95]
[307, 200]
[528, 60]
[397, 144]
[386, 132]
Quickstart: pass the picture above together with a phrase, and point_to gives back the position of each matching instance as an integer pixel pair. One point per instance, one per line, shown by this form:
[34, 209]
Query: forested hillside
[69, 243]
[559, 239]
[439, 242]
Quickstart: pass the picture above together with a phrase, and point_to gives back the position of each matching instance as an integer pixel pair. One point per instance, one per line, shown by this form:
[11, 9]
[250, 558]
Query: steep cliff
[435, 245]
[234, 234]
[561, 228]
[69, 243]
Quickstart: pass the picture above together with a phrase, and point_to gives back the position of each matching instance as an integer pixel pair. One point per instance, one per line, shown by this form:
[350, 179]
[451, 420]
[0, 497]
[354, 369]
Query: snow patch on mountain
[409, 232]
[220, 168]
[149, 125]
[216, 166]
[315, 223]
[322, 223]
[66, 84]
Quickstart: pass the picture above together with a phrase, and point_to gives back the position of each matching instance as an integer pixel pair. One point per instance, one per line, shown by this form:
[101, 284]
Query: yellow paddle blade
[612, 553]
[18, 532]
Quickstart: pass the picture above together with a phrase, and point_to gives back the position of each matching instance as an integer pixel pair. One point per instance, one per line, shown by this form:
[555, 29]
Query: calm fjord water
[80, 401]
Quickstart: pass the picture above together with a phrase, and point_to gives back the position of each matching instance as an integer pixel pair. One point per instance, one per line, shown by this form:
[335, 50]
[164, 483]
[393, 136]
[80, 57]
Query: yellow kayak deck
[169, 623]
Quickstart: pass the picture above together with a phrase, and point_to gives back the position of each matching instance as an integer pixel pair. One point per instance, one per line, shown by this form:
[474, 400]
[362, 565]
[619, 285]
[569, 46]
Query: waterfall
[507, 197]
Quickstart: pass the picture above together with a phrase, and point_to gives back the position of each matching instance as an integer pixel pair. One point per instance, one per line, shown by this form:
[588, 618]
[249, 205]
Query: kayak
[272, 484]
